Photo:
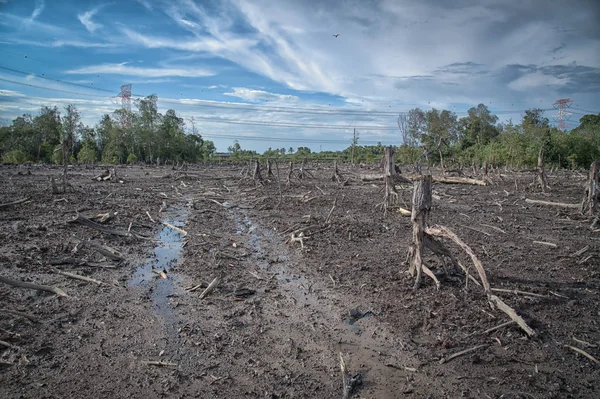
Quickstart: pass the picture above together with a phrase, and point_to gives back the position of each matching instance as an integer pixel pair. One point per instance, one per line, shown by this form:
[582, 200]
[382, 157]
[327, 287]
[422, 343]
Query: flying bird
[336, 35]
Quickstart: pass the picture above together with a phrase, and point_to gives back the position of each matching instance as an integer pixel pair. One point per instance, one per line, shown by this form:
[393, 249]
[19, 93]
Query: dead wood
[160, 364]
[31, 286]
[592, 191]
[331, 211]
[461, 353]
[78, 277]
[182, 231]
[210, 287]
[290, 171]
[518, 292]
[421, 206]
[389, 171]
[511, 313]
[21, 201]
[104, 217]
[584, 353]
[437, 179]
[541, 173]
[549, 244]
[20, 314]
[256, 176]
[150, 217]
[91, 224]
[498, 327]
[8, 345]
[559, 204]
[104, 250]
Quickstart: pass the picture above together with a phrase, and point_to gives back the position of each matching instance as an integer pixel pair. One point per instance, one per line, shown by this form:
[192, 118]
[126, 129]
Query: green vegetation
[144, 135]
[147, 136]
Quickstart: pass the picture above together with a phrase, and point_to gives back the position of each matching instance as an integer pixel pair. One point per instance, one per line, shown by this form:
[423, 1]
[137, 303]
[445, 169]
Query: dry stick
[560, 204]
[508, 323]
[160, 273]
[494, 227]
[584, 343]
[461, 353]
[511, 313]
[518, 292]
[331, 211]
[169, 225]
[444, 231]
[87, 222]
[278, 186]
[108, 252]
[6, 205]
[584, 353]
[21, 314]
[581, 251]
[78, 277]
[22, 284]
[550, 244]
[150, 217]
[474, 229]
[429, 273]
[210, 287]
[157, 363]
[8, 345]
[346, 387]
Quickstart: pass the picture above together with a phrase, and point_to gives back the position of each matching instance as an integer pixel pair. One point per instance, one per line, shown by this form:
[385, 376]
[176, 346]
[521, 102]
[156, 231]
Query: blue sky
[261, 70]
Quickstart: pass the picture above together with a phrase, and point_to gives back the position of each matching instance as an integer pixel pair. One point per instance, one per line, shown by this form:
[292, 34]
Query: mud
[276, 323]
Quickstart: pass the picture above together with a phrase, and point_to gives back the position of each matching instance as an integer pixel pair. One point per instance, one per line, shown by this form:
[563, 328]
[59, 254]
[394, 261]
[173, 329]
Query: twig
[78, 277]
[511, 313]
[461, 353]
[22, 200]
[508, 323]
[474, 229]
[31, 286]
[157, 363]
[584, 353]
[150, 217]
[210, 287]
[517, 292]
[494, 227]
[169, 225]
[331, 211]
[550, 244]
[332, 280]
[560, 204]
[584, 343]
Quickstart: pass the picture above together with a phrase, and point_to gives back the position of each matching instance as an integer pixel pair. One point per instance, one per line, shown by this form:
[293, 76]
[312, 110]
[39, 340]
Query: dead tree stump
[592, 191]
[542, 178]
[269, 169]
[420, 212]
[289, 176]
[336, 173]
[389, 173]
[256, 176]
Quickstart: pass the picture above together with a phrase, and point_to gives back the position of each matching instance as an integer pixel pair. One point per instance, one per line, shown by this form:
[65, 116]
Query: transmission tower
[125, 95]
[562, 116]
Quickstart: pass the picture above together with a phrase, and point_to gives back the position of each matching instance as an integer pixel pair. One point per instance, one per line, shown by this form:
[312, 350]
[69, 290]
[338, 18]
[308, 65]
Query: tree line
[142, 135]
[145, 135]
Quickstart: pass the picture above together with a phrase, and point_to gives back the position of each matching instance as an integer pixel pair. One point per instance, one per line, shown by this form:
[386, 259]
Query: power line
[293, 124]
[51, 89]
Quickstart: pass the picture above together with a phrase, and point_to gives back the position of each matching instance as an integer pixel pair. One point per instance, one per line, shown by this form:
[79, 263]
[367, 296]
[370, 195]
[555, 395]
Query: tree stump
[289, 176]
[256, 176]
[592, 191]
[420, 212]
[542, 179]
[389, 173]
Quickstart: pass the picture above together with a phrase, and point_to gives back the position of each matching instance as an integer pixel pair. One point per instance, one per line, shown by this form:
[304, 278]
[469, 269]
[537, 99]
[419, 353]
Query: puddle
[355, 316]
[165, 257]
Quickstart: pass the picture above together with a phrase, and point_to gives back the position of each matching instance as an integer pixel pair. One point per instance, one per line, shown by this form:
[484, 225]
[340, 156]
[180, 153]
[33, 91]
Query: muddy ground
[280, 315]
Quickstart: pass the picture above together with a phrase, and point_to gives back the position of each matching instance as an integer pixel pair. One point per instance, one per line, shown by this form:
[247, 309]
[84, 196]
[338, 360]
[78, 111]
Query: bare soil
[281, 314]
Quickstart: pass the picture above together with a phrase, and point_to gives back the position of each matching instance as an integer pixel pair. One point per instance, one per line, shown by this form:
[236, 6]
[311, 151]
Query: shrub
[15, 157]
[132, 158]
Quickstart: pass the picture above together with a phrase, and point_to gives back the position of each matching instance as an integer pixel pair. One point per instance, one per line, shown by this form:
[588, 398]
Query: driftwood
[22, 200]
[559, 204]
[31, 286]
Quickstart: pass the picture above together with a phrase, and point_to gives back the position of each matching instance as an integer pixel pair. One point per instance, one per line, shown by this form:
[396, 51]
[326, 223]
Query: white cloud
[39, 7]
[259, 95]
[535, 80]
[86, 19]
[124, 69]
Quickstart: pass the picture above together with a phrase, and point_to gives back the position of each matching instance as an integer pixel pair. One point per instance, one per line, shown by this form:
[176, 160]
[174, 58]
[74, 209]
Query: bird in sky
[336, 35]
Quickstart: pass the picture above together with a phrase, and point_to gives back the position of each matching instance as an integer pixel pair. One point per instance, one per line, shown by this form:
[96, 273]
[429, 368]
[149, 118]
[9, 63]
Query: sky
[287, 73]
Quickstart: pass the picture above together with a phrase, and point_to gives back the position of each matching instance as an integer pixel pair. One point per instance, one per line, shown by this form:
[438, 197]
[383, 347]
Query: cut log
[31, 286]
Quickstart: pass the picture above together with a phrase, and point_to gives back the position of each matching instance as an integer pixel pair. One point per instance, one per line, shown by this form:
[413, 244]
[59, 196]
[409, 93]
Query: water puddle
[164, 259]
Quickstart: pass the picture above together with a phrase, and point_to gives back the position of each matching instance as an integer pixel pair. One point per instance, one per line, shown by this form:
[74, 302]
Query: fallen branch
[31, 286]
[160, 273]
[169, 225]
[78, 277]
[584, 353]
[104, 250]
[461, 353]
[508, 323]
[87, 222]
[550, 244]
[210, 287]
[511, 313]
[150, 217]
[560, 204]
[517, 292]
[22, 200]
